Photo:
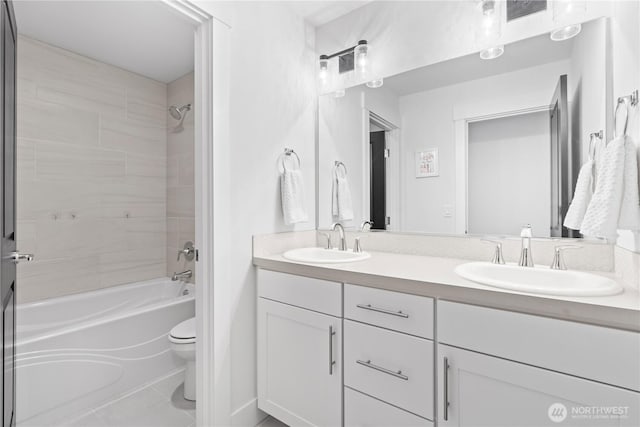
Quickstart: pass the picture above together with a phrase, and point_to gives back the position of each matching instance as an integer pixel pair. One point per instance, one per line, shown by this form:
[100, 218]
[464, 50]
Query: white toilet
[183, 344]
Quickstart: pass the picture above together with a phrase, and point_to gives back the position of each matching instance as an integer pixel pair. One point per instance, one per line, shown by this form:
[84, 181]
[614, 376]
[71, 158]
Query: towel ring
[592, 143]
[287, 154]
[337, 164]
[628, 102]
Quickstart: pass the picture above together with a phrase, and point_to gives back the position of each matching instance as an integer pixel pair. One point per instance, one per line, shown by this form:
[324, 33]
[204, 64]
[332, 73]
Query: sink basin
[324, 256]
[539, 280]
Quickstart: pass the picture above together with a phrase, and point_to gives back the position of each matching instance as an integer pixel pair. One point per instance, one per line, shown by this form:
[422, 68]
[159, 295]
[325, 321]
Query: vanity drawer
[313, 294]
[361, 410]
[598, 353]
[393, 367]
[406, 313]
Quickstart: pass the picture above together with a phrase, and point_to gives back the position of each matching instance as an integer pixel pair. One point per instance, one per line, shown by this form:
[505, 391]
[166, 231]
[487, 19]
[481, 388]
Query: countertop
[435, 277]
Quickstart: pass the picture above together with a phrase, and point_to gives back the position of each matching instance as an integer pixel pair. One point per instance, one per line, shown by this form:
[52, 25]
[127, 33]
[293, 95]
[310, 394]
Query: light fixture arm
[342, 52]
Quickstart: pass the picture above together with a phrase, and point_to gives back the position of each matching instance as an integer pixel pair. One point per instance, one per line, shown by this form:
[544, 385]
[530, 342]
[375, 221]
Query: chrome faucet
[364, 224]
[343, 240]
[183, 275]
[497, 254]
[526, 258]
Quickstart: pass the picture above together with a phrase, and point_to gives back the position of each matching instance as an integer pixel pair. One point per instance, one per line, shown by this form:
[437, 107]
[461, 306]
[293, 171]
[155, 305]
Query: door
[378, 196]
[299, 365]
[8, 246]
[561, 164]
[488, 391]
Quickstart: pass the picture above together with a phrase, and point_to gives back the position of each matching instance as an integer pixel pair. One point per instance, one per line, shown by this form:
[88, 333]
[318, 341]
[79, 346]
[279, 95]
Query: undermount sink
[539, 280]
[324, 256]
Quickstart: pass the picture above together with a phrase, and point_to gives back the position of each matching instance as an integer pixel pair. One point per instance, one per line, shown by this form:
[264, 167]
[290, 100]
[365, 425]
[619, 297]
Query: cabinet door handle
[332, 362]
[397, 374]
[445, 380]
[382, 310]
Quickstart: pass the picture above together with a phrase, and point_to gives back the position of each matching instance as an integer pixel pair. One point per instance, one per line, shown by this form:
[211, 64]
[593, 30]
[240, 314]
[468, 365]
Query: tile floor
[160, 404]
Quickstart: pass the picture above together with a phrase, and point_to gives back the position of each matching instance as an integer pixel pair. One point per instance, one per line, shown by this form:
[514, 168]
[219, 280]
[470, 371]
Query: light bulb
[323, 72]
[362, 60]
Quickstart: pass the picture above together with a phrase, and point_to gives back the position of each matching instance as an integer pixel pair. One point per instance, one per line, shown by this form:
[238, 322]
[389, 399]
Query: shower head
[178, 113]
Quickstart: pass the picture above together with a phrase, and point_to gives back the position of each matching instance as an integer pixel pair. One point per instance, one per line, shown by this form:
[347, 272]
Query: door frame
[213, 316]
[461, 140]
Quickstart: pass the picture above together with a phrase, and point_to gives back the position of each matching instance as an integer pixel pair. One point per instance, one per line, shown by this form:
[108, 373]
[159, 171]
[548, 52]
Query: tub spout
[184, 275]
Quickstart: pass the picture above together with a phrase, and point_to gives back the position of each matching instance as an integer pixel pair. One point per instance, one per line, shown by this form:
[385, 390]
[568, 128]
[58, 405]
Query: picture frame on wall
[520, 8]
[427, 163]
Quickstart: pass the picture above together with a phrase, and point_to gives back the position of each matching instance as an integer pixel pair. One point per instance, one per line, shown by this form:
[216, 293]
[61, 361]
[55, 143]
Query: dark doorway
[378, 196]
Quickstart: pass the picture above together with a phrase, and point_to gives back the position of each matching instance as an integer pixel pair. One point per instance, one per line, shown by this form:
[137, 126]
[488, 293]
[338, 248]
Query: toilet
[183, 343]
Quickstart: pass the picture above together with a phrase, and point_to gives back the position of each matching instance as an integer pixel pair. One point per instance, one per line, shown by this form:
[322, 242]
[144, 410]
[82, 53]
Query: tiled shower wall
[180, 176]
[92, 173]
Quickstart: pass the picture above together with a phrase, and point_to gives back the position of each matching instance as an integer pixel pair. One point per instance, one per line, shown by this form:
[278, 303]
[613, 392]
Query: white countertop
[434, 277]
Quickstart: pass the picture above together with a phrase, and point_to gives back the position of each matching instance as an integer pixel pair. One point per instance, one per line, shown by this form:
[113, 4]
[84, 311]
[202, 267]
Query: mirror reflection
[468, 146]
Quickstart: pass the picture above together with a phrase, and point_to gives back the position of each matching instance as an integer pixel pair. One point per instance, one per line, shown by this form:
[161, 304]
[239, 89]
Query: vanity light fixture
[489, 29]
[566, 13]
[355, 58]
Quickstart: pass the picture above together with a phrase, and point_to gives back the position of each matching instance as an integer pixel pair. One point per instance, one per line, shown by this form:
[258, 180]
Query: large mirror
[468, 146]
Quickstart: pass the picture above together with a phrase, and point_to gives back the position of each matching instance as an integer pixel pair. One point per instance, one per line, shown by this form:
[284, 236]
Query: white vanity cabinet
[497, 368]
[300, 349]
[388, 358]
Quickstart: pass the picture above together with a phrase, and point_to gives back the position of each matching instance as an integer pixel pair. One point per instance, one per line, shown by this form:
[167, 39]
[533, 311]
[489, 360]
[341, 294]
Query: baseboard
[248, 415]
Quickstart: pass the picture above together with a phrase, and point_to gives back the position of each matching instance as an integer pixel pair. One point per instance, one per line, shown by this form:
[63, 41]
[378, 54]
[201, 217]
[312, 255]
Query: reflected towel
[630, 209]
[581, 197]
[293, 200]
[341, 202]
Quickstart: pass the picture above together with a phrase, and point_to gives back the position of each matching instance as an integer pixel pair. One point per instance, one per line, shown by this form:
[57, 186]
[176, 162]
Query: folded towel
[341, 202]
[617, 180]
[630, 209]
[293, 200]
[581, 197]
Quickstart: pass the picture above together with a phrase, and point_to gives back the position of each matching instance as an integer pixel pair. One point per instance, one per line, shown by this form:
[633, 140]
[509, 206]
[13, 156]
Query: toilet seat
[184, 332]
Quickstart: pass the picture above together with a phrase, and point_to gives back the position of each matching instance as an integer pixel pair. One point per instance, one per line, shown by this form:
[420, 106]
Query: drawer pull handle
[331, 361]
[445, 380]
[368, 364]
[382, 310]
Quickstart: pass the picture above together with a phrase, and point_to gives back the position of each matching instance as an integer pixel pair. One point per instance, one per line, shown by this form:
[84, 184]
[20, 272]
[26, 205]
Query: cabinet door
[488, 391]
[299, 365]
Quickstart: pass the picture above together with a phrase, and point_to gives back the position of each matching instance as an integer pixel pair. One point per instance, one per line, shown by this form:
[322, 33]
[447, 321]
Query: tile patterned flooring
[160, 404]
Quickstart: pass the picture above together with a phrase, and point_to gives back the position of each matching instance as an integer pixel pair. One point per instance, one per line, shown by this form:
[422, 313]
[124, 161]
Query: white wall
[91, 173]
[273, 106]
[509, 175]
[409, 34]
[428, 120]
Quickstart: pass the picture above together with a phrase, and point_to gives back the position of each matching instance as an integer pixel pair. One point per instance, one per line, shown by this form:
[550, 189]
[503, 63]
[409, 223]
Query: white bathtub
[77, 352]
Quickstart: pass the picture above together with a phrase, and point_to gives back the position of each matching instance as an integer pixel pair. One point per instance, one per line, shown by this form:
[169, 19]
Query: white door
[488, 391]
[299, 365]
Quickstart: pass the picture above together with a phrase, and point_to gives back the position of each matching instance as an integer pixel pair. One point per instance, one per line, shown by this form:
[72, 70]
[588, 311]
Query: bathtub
[78, 352]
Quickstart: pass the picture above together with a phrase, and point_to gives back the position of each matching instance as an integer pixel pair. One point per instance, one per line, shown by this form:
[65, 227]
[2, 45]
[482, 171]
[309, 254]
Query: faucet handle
[357, 247]
[526, 231]
[328, 236]
[364, 224]
[558, 260]
[497, 255]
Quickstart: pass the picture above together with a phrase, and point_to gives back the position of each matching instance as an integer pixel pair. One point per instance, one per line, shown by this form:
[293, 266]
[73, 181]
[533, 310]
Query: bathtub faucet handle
[189, 251]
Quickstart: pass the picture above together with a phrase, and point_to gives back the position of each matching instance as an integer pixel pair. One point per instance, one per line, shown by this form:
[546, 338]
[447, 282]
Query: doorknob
[16, 257]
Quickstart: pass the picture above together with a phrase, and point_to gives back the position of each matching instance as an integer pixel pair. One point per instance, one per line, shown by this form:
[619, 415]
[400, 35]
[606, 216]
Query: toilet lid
[184, 331]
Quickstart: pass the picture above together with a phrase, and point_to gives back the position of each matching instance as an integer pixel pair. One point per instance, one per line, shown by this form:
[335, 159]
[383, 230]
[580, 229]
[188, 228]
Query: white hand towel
[630, 209]
[601, 218]
[341, 202]
[293, 200]
[581, 197]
